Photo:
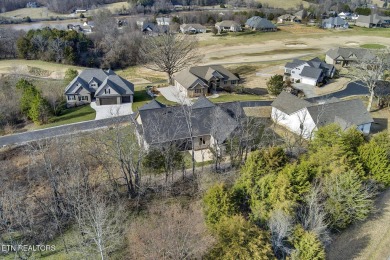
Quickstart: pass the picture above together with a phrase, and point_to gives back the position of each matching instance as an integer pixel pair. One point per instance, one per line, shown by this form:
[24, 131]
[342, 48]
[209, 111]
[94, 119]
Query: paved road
[61, 130]
[352, 89]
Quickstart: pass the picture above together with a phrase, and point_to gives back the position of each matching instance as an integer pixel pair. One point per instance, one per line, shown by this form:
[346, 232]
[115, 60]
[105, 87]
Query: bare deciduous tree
[169, 53]
[170, 232]
[280, 226]
[370, 69]
[312, 216]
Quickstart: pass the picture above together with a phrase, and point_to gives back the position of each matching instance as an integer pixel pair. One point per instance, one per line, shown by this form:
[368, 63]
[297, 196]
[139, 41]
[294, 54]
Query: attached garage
[126, 99]
[309, 81]
[108, 101]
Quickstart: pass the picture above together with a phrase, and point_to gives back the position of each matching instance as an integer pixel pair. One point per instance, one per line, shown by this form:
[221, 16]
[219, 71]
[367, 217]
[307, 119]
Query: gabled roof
[204, 72]
[310, 72]
[152, 105]
[195, 26]
[202, 102]
[346, 53]
[189, 78]
[84, 78]
[228, 23]
[295, 63]
[337, 21]
[289, 103]
[166, 124]
[259, 23]
[344, 112]
[102, 78]
[368, 19]
[120, 85]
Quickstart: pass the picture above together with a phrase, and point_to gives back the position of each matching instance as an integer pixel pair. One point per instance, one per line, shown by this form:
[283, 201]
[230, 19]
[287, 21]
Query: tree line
[281, 208]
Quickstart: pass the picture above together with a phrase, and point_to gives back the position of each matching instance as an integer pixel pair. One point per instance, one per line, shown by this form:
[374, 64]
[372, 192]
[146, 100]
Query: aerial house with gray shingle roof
[105, 87]
[312, 72]
[202, 80]
[304, 118]
[257, 23]
[210, 124]
[345, 56]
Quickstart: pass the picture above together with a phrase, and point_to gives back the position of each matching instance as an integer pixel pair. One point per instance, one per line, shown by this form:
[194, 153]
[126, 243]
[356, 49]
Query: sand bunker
[295, 44]
[352, 43]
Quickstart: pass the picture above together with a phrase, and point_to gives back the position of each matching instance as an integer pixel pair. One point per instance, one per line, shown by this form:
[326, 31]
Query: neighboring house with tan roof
[228, 26]
[201, 80]
[192, 28]
[372, 21]
[105, 87]
[304, 118]
[289, 18]
[345, 56]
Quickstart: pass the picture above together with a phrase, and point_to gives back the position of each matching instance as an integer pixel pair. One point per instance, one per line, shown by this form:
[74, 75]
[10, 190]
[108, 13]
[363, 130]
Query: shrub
[275, 85]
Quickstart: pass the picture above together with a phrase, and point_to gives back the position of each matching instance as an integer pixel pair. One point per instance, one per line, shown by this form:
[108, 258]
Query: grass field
[70, 116]
[285, 4]
[373, 46]
[114, 7]
[33, 13]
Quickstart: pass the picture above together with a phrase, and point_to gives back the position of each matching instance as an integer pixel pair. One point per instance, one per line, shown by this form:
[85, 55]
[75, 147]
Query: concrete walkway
[172, 94]
[108, 111]
[307, 89]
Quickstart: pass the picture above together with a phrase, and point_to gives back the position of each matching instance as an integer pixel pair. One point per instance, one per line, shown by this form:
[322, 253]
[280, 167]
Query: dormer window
[93, 85]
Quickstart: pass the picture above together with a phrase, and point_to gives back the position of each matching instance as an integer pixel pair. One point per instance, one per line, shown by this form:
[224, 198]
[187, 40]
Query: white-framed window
[233, 82]
[225, 82]
[71, 98]
[93, 85]
[107, 91]
[198, 90]
[84, 98]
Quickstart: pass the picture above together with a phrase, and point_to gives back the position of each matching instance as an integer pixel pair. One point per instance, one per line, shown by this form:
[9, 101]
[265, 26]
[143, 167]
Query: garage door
[126, 99]
[108, 101]
[309, 81]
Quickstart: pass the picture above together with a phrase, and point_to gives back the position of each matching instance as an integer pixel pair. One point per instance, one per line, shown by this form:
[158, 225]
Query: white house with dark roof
[304, 118]
[312, 72]
[334, 23]
[192, 28]
[228, 26]
[201, 80]
[105, 87]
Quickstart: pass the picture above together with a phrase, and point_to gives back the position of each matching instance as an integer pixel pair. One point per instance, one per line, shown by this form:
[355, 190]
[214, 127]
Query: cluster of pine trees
[280, 208]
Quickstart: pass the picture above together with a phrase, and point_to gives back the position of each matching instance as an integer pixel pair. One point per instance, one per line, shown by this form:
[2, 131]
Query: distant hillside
[284, 4]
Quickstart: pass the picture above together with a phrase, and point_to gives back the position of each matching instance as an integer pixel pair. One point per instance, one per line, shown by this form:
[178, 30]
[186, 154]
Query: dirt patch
[295, 44]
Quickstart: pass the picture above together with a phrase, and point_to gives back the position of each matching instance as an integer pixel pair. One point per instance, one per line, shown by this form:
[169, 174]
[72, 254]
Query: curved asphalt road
[64, 130]
[352, 89]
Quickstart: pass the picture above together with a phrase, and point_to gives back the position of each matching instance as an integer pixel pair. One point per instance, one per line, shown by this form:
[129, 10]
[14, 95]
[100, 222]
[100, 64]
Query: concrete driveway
[172, 94]
[108, 111]
[307, 89]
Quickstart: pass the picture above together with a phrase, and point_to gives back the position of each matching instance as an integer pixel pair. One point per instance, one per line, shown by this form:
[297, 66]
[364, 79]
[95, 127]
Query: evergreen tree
[239, 239]
[307, 245]
[218, 203]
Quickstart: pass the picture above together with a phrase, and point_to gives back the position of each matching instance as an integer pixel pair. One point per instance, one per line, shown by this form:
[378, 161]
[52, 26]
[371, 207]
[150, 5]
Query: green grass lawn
[373, 46]
[71, 115]
[236, 97]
